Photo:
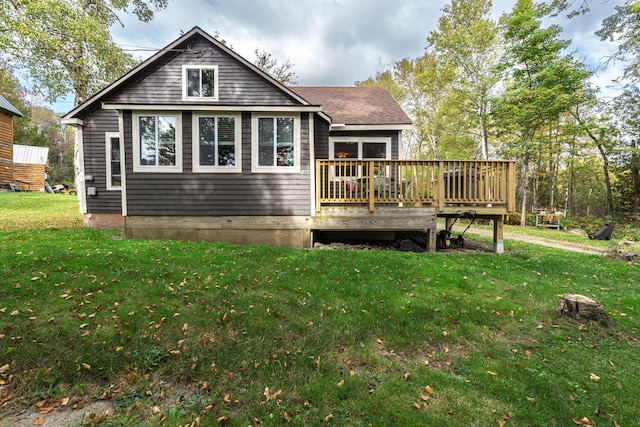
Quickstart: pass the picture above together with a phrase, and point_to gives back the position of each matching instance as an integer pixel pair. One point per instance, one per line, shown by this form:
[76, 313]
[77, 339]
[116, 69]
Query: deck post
[371, 186]
[320, 179]
[498, 235]
[441, 193]
[431, 240]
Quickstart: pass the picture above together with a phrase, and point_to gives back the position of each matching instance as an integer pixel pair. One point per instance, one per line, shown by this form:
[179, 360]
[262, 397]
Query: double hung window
[157, 142]
[216, 143]
[114, 174]
[200, 82]
[276, 143]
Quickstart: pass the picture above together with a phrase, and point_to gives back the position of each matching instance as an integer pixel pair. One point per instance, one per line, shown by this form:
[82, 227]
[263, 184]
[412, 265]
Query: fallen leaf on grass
[594, 377]
[407, 375]
[38, 421]
[4, 368]
[492, 373]
[328, 417]
[340, 383]
[271, 395]
[428, 389]
[584, 421]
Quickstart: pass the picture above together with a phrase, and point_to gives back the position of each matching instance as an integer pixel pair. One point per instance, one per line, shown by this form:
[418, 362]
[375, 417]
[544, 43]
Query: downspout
[78, 162]
[123, 169]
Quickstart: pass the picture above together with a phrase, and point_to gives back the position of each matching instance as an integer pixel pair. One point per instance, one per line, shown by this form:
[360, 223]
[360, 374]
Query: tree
[282, 73]
[623, 27]
[542, 84]
[626, 112]
[16, 94]
[64, 45]
[467, 41]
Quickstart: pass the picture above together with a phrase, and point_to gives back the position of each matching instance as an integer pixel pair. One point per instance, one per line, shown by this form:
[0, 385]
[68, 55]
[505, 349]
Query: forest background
[485, 88]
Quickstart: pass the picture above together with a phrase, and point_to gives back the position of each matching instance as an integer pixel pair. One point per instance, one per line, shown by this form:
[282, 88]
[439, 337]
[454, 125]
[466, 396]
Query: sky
[335, 42]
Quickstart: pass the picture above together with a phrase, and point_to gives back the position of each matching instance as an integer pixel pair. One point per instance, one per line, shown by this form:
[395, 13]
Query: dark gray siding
[238, 84]
[222, 194]
[95, 161]
[321, 135]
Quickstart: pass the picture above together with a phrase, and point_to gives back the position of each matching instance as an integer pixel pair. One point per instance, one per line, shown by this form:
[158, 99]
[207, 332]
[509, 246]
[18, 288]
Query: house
[7, 113]
[29, 165]
[197, 143]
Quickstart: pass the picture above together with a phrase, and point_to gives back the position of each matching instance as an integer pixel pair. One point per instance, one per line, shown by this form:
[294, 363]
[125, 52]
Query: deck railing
[437, 183]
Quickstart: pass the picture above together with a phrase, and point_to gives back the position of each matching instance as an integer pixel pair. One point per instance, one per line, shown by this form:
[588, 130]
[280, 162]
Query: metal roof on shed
[8, 108]
[27, 154]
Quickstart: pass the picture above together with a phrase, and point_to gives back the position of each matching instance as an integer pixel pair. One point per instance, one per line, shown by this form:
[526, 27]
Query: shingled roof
[8, 108]
[355, 105]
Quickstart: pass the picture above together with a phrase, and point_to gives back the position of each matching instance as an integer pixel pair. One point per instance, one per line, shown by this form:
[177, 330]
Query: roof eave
[363, 127]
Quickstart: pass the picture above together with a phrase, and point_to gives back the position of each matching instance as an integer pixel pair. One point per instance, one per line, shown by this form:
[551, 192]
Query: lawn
[191, 333]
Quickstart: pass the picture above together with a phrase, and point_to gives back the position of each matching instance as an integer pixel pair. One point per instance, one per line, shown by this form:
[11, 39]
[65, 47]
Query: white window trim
[359, 140]
[255, 168]
[108, 136]
[196, 145]
[185, 97]
[137, 167]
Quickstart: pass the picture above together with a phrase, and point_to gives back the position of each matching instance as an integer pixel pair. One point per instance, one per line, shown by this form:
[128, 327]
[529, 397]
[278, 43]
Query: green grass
[338, 338]
[27, 211]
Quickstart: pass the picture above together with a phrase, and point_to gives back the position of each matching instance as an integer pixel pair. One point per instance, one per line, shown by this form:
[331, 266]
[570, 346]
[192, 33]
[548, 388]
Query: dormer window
[200, 82]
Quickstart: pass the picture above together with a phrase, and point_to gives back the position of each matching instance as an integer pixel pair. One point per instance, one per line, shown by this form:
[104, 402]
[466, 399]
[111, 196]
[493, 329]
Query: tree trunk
[635, 175]
[525, 192]
[605, 164]
[607, 179]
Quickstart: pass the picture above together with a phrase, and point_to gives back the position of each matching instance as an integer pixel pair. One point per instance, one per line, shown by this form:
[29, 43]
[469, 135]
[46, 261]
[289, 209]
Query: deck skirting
[382, 219]
[288, 231]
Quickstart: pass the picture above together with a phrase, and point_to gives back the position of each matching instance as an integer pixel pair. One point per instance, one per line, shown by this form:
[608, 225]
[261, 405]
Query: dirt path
[575, 247]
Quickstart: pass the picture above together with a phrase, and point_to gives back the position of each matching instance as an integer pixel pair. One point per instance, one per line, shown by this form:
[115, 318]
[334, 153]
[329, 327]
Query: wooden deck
[372, 194]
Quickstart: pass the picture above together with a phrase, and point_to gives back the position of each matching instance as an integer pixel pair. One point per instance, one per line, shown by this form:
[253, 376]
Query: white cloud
[334, 42]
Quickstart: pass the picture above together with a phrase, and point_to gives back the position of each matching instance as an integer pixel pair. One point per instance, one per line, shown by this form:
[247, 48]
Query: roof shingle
[359, 105]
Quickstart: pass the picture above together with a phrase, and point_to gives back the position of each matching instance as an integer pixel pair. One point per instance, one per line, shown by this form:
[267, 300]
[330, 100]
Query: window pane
[374, 150]
[207, 141]
[285, 129]
[147, 126]
[345, 150]
[115, 174]
[285, 155]
[193, 82]
[226, 129]
[265, 142]
[115, 149]
[208, 83]
[167, 140]
[226, 141]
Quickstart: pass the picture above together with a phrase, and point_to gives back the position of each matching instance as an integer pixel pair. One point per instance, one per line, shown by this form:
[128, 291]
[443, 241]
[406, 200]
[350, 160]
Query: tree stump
[583, 308]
